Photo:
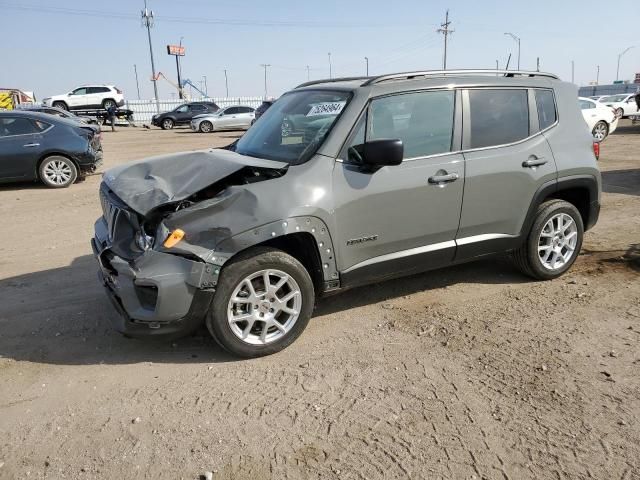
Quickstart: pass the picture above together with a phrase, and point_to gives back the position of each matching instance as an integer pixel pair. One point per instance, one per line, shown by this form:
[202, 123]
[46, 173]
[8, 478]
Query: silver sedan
[238, 117]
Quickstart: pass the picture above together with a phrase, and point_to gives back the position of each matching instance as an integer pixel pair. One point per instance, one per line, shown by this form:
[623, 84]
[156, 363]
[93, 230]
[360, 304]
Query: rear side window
[422, 120]
[245, 109]
[198, 108]
[584, 105]
[498, 117]
[546, 104]
[17, 126]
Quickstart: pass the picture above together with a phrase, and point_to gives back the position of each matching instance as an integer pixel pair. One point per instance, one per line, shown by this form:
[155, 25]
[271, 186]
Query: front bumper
[155, 294]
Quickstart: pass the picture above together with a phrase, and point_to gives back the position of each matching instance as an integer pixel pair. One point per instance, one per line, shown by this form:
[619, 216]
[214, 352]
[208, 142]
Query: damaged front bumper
[156, 293]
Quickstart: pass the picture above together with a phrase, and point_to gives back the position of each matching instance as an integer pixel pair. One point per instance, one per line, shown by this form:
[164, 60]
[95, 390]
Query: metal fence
[143, 110]
[593, 90]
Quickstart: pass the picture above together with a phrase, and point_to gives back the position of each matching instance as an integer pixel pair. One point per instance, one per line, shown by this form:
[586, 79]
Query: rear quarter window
[546, 105]
[498, 117]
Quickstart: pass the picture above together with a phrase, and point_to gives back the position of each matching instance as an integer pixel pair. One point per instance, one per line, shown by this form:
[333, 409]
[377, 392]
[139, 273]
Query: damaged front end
[160, 289]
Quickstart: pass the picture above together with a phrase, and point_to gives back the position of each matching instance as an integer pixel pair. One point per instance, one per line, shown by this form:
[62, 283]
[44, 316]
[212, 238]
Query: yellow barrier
[6, 101]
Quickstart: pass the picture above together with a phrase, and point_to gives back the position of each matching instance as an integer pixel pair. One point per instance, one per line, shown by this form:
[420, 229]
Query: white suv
[87, 97]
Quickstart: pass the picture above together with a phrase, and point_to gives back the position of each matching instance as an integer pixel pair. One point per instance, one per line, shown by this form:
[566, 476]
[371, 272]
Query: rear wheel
[61, 105]
[553, 243]
[263, 303]
[57, 172]
[108, 103]
[167, 124]
[619, 112]
[206, 127]
[600, 130]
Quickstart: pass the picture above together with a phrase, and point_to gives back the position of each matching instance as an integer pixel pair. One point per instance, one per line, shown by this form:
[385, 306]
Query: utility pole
[446, 31]
[619, 57]
[366, 59]
[572, 72]
[147, 21]
[265, 65]
[206, 89]
[537, 64]
[308, 76]
[598, 75]
[135, 69]
[226, 83]
[517, 39]
[330, 73]
[497, 67]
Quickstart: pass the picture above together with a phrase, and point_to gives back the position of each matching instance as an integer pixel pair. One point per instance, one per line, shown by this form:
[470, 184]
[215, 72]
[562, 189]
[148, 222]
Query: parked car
[58, 112]
[396, 174]
[601, 119]
[231, 118]
[56, 151]
[88, 97]
[183, 114]
[624, 104]
[264, 106]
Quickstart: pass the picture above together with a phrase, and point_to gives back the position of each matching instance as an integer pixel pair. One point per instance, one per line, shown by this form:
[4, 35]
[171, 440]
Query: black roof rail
[457, 73]
[332, 80]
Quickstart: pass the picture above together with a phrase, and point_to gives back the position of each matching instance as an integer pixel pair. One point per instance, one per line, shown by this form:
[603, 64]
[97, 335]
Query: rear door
[244, 117]
[404, 218]
[507, 160]
[20, 147]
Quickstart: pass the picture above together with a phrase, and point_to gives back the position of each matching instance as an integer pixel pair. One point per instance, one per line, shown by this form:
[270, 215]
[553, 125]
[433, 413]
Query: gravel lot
[470, 372]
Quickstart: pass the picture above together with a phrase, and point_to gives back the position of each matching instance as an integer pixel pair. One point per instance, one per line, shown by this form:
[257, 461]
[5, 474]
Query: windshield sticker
[327, 108]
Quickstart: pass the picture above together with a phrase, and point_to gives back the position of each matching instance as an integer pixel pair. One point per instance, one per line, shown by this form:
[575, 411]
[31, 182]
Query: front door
[183, 114]
[507, 159]
[78, 99]
[404, 218]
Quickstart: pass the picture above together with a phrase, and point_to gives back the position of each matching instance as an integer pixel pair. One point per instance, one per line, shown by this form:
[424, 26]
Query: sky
[50, 47]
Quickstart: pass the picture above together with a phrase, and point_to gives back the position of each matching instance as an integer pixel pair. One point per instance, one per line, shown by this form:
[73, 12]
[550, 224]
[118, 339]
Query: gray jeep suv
[381, 177]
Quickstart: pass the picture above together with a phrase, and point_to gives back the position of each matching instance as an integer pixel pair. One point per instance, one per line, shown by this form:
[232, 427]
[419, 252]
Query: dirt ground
[471, 372]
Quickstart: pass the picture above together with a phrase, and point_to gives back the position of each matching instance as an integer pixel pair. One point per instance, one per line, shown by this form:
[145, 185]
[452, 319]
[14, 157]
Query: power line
[446, 31]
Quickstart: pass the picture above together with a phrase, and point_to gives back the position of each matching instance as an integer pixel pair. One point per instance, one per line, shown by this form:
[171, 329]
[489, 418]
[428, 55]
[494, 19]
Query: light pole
[135, 69]
[226, 82]
[572, 72]
[147, 21]
[179, 69]
[619, 57]
[265, 65]
[598, 75]
[330, 73]
[517, 39]
[206, 89]
[366, 60]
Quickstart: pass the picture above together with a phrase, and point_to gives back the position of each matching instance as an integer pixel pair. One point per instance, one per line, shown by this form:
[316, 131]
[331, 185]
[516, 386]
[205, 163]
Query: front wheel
[263, 303]
[61, 105]
[107, 104]
[206, 127]
[553, 243]
[57, 172]
[600, 130]
[167, 124]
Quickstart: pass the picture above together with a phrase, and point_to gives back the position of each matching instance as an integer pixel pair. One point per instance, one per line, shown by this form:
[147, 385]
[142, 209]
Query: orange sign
[175, 50]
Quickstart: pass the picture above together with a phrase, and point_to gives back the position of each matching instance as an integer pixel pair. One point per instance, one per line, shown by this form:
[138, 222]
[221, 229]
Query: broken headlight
[144, 241]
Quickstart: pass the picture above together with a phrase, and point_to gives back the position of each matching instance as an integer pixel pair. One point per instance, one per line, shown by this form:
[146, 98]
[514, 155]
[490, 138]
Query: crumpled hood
[150, 183]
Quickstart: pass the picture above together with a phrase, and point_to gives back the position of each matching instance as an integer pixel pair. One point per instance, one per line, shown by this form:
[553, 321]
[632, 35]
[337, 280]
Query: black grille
[122, 224]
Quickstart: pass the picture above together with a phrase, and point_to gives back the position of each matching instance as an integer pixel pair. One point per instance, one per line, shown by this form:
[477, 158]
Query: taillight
[596, 150]
[118, 90]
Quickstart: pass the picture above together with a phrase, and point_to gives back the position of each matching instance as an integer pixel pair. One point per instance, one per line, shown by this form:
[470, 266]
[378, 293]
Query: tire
[167, 124]
[206, 127]
[530, 258]
[61, 105]
[619, 112]
[57, 172]
[108, 103]
[600, 131]
[262, 310]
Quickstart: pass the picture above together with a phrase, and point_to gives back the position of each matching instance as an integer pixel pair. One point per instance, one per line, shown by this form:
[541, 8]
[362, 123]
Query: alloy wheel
[264, 307]
[600, 131]
[557, 241]
[57, 172]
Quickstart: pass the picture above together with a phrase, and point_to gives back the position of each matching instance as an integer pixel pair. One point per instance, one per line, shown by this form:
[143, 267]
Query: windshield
[613, 98]
[295, 126]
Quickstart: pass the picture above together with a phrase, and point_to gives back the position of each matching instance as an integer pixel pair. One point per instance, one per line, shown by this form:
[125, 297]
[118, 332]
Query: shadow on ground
[622, 181]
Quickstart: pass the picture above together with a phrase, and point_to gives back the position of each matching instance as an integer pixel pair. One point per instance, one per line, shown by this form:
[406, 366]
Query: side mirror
[380, 153]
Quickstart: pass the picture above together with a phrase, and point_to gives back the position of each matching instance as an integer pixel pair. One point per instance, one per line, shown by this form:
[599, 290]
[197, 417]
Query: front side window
[546, 106]
[230, 111]
[16, 126]
[295, 126]
[498, 117]
[80, 91]
[422, 120]
[182, 109]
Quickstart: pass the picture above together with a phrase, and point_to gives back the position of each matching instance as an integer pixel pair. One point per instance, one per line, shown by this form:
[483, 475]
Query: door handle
[445, 178]
[31, 145]
[534, 161]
